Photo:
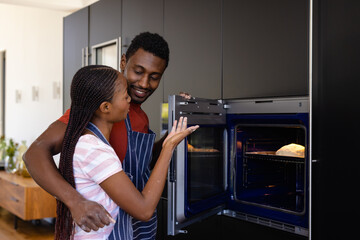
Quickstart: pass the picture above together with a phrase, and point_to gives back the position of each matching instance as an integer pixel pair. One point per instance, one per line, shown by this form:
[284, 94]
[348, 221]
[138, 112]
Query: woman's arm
[141, 205]
[41, 166]
[158, 144]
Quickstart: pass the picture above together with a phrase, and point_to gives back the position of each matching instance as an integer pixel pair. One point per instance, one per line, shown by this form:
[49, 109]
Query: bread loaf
[292, 150]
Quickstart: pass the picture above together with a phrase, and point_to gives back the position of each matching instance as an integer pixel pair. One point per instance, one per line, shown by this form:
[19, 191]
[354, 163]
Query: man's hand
[90, 215]
[185, 95]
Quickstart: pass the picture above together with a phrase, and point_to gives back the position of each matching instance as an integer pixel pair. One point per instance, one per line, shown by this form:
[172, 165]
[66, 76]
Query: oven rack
[267, 156]
[204, 154]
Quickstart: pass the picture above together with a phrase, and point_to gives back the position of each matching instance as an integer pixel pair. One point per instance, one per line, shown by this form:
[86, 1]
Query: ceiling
[59, 5]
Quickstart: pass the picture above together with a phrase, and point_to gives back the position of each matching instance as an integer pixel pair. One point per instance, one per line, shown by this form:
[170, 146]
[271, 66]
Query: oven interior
[262, 176]
[205, 176]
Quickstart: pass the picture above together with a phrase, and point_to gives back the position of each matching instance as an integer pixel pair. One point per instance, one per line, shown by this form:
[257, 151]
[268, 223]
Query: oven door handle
[172, 169]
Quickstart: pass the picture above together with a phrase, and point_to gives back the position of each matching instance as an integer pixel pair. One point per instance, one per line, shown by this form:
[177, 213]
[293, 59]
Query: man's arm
[41, 166]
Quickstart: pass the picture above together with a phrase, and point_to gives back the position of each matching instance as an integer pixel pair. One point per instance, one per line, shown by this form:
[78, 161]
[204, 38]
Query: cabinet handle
[14, 199]
[82, 57]
[86, 56]
[119, 52]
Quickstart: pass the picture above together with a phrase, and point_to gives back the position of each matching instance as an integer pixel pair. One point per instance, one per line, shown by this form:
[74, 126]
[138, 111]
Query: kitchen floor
[26, 230]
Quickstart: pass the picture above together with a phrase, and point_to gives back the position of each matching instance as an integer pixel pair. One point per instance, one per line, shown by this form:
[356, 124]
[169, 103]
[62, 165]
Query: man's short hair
[150, 42]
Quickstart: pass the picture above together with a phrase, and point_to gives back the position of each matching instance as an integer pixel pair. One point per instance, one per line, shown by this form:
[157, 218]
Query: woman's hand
[178, 132]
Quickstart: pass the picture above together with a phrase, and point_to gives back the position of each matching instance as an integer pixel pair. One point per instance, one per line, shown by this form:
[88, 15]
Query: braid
[90, 86]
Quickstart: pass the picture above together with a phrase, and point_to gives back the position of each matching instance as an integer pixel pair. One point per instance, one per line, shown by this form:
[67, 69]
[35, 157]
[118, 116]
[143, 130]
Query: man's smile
[139, 92]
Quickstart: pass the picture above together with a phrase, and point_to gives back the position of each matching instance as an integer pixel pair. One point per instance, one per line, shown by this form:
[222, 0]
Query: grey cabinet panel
[141, 16]
[75, 39]
[265, 48]
[193, 30]
[104, 21]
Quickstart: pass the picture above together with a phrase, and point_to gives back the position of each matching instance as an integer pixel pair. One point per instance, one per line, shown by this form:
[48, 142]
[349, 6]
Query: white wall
[33, 41]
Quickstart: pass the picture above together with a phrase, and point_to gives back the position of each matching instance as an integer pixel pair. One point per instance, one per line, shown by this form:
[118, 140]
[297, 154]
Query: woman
[99, 98]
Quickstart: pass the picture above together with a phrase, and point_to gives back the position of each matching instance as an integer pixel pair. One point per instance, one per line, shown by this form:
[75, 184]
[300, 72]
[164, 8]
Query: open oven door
[198, 172]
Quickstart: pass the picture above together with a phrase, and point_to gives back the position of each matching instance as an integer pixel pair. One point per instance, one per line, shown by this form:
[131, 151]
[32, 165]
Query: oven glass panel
[270, 167]
[205, 163]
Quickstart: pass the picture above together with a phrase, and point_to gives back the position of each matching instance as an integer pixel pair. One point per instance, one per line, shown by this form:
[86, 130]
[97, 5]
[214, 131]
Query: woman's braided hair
[90, 86]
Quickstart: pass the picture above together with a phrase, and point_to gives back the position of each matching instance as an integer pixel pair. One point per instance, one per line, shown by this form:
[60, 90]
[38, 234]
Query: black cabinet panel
[193, 30]
[265, 48]
[75, 40]
[336, 85]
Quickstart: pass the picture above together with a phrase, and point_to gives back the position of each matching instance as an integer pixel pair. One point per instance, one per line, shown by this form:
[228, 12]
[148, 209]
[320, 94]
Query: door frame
[2, 91]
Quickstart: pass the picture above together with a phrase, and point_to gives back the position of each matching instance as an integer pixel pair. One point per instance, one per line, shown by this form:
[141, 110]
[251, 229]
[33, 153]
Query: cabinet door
[142, 16]
[335, 122]
[265, 48]
[75, 44]
[193, 30]
[104, 22]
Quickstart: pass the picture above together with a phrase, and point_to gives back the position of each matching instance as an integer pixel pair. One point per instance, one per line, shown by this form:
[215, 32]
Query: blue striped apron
[136, 166]
[123, 220]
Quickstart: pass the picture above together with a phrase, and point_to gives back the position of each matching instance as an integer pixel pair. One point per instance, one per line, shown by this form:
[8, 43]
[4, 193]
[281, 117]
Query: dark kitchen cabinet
[265, 48]
[104, 21]
[145, 16]
[141, 16]
[193, 31]
[84, 29]
[336, 127]
[105, 32]
[75, 44]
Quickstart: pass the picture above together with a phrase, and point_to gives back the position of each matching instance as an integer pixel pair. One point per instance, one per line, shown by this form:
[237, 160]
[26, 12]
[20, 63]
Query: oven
[248, 160]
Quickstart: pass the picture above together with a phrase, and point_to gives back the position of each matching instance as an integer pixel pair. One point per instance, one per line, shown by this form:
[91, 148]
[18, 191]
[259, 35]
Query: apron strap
[128, 124]
[95, 130]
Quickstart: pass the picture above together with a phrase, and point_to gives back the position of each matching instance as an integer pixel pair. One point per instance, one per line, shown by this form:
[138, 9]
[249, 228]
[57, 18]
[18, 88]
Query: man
[143, 66]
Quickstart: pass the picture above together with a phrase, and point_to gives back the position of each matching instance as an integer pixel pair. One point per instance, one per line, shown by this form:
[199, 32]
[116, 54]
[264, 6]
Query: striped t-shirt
[93, 162]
